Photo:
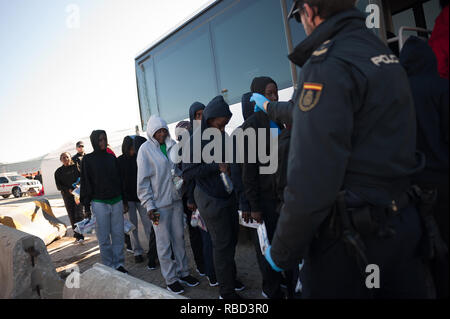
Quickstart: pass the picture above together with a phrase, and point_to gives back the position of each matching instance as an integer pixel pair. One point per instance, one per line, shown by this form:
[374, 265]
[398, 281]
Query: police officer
[351, 157]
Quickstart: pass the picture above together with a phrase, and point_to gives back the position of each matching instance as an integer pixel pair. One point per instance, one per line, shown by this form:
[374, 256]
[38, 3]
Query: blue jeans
[110, 233]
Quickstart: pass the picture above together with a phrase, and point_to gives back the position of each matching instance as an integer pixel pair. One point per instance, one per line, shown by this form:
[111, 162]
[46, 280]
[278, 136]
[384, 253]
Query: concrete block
[26, 269]
[35, 218]
[101, 282]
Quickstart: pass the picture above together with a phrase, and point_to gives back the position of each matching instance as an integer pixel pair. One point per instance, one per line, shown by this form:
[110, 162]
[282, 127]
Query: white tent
[51, 162]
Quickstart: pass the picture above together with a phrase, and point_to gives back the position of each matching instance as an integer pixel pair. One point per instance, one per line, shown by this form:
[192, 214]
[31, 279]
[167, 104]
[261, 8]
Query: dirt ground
[66, 254]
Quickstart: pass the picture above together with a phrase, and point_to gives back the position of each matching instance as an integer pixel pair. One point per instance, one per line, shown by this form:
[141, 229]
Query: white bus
[224, 46]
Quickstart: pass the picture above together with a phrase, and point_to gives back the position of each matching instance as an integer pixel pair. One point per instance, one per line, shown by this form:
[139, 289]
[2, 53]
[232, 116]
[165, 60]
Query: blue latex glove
[259, 100]
[270, 260]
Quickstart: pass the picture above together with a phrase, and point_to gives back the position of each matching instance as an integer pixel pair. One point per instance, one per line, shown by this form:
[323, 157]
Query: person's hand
[88, 214]
[247, 217]
[151, 214]
[192, 207]
[224, 168]
[126, 208]
[260, 101]
[257, 216]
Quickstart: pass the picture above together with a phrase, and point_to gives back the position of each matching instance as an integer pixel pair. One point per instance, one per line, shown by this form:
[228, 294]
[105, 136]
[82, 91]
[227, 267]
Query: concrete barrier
[35, 218]
[26, 269]
[101, 282]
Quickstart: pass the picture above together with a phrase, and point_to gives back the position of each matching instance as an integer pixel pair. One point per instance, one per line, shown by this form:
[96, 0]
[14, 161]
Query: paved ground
[65, 254]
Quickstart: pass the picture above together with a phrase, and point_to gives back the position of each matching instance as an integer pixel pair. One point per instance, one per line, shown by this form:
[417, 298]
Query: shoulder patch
[310, 96]
[322, 52]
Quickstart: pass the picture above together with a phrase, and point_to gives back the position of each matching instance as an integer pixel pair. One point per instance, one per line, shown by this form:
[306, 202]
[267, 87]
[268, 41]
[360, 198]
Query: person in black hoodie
[260, 190]
[431, 99]
[128, 170]
[65, 176]
[195, 114]
[101, 190]
[218, 207]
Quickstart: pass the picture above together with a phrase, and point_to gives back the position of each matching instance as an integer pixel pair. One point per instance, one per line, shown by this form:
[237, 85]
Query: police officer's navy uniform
[354, 130]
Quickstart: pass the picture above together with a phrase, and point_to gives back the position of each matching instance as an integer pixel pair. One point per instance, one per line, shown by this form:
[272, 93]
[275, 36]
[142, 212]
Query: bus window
[246, 46]
[185, 74]
[410, 17]
[147, 90]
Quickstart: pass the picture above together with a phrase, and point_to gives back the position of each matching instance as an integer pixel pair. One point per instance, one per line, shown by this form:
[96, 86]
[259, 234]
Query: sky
[67, 67]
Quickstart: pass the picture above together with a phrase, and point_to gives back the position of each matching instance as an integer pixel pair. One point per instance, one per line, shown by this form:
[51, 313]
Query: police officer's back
[354, 130]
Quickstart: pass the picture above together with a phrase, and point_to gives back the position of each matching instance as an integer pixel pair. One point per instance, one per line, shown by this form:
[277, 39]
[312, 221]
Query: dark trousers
[332, 272]
[195, 238]
[208, 255]
[439, 265]
[271, 279]
[74, 211]
[152, 254]
[222, 221]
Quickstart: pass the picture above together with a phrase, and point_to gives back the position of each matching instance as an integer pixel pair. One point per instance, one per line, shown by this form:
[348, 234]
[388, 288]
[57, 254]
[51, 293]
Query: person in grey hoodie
[157, 192]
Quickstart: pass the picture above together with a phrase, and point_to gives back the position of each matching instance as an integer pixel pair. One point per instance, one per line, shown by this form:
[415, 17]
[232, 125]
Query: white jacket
[155, 187]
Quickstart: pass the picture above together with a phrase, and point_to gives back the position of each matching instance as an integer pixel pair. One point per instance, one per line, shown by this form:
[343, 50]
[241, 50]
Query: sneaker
[201, 273]
[233, 296]
[79, 241]
[190, 281]
[239, 286]
[130, 251]
[176, 288]
[212, 281]
[138, 259]
[122, 270]
[151, 266]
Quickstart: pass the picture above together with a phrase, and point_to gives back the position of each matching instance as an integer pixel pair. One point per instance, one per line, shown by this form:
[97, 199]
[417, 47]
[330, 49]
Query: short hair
[328, 8]
[80, 143]
[68, 154]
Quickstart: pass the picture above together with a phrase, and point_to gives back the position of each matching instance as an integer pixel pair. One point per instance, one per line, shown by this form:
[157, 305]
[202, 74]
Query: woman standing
[65, 177]
[101, 190]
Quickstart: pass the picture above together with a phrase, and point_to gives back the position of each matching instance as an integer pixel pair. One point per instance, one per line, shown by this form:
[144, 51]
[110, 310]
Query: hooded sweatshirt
[248, 109]
[207, 176]
[128, 168]
[197, 106]
[100, 175]
[440, 43]
[431, 99]
[155, 187]
[258, 187]
[189, 186]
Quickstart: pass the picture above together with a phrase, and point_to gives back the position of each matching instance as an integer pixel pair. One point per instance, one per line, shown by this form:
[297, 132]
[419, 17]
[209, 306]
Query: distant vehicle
[16, 185]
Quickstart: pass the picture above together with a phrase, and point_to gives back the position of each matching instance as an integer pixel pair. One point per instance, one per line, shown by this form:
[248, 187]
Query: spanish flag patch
[310, 96]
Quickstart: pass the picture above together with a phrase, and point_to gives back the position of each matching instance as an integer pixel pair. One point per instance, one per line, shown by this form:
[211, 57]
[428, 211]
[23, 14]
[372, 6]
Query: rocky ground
[66, 254]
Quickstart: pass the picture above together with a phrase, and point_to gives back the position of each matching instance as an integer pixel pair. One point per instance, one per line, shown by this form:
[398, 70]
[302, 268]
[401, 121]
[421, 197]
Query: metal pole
[290, 45]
